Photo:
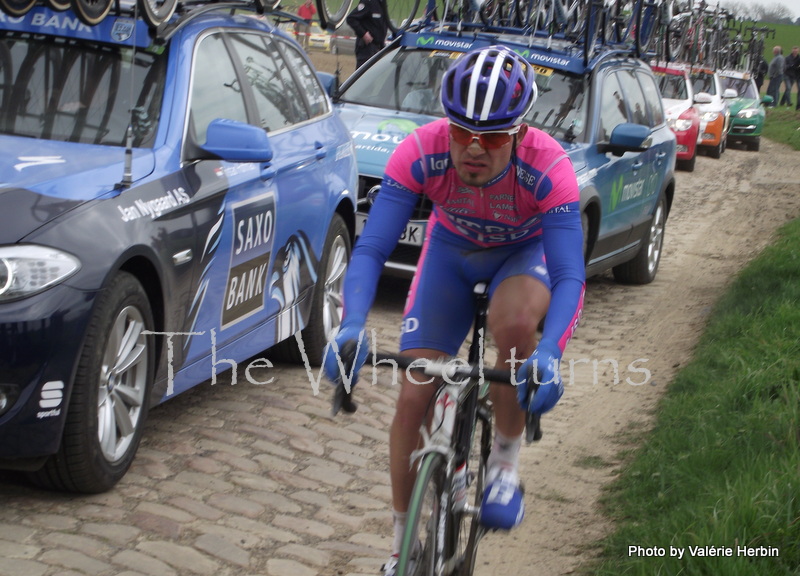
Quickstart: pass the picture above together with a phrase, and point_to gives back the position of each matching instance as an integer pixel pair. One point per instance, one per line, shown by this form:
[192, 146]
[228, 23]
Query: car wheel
[110, 395]
[327, 305]
[643, 267]
[717, 150]
[687, 165]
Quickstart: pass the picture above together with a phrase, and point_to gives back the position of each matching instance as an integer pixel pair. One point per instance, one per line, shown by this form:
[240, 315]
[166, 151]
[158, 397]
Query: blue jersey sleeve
[562, 236]
[387, 219]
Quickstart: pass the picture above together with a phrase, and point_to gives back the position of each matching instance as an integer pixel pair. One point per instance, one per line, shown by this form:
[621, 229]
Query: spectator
[760, 72]
[775, 74]
[370, 23]
[302, 30]
[791, 76]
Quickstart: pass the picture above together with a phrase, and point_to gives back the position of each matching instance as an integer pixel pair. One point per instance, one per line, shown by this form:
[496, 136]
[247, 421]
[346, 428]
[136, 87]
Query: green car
[747, 109]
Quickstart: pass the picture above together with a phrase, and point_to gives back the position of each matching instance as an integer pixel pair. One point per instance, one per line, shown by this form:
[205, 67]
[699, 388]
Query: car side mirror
[767, 100]
[703, 98]
[730, 93]
[627, 137]
[235, 141]
[330, 83]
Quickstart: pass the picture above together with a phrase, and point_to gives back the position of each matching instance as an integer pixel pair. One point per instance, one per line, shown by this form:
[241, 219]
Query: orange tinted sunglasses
[489, 140]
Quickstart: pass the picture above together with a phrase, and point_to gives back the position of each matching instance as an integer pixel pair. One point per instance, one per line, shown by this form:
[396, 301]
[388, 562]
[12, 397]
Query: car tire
[754, 144]
[717, 150]
[326, 305]
[110, 395]
[642, 269]
[687, 165]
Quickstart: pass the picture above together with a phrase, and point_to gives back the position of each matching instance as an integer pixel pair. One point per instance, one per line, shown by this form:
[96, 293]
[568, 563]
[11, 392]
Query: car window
[310, 87]
[216, 92]
[613, 110]
[560, 109]
[652, 98]
[634, 97]
[277, 96]
[704, 82]
[744, 88]
[79, 92]
[673, 86]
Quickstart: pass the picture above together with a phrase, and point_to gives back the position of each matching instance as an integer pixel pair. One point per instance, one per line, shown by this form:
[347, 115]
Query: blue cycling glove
[345, 355]
[541, 368]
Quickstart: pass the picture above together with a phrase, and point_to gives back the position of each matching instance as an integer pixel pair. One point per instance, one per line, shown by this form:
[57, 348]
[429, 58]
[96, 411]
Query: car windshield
[409, 80]
[70, 91]
[704, 82]
[672, 86]
[744, 88]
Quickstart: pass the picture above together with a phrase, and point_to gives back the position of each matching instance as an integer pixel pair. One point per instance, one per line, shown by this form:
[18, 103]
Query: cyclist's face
[475, 165]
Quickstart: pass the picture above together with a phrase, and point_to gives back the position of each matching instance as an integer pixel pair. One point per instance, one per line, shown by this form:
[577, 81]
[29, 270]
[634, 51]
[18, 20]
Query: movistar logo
[423, 41]
[616, 193]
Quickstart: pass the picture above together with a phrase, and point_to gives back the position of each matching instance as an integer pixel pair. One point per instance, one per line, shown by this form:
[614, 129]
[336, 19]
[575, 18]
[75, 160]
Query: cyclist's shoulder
[539, 149]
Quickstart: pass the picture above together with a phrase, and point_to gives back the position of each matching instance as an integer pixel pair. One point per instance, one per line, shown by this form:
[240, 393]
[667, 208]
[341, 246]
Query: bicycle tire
[6, 76]
[420, 538]
[58, 5]
[400, 14]
[590, 29]
[647, 21]
[91, 12]
[17, 8]
[157, 12]
[267, 5]
[332, 13]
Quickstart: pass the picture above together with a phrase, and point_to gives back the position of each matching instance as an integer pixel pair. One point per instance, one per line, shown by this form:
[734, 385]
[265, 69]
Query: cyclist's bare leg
[518, 306]
[404, 435]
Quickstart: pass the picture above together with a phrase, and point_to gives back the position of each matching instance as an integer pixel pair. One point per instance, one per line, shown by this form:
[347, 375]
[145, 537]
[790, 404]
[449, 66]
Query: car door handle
[267, 172]
[637, 165]
[321, 150]
[660, 157]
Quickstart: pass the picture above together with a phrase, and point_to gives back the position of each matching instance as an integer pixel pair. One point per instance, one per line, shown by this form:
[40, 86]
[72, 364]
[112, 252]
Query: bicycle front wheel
[91, 12]
[401, 14]
[156, 12]
[333, 12]
[422, 551]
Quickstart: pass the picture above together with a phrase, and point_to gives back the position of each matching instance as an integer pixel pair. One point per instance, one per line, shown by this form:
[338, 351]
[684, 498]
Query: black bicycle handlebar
[342, 399]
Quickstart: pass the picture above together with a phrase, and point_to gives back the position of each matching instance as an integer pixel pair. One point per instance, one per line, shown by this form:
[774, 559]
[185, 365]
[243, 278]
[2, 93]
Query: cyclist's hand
[541, 368]
[345, 355]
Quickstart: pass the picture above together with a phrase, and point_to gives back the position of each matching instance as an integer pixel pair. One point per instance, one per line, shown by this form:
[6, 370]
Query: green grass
[783, 125]
[721, 467]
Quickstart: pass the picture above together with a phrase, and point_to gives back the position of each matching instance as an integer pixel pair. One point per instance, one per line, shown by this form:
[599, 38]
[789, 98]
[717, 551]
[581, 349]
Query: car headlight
[28, 269]
[680, 124]
[747, 113]
[710, 116]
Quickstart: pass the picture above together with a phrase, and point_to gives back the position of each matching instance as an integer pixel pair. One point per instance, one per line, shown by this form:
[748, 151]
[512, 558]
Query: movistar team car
[173, 205]
[747, 110]
[607, 114]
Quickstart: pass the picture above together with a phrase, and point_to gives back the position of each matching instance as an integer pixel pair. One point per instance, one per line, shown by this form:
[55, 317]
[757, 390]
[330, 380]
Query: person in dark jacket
[791, 76]
[370, 23]
[760, 72]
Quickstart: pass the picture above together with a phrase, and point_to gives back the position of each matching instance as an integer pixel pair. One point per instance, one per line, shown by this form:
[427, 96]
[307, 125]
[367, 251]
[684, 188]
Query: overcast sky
[792, 5]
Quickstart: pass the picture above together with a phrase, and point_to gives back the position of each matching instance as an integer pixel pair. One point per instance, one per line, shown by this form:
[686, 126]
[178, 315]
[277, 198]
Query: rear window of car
[83, 92]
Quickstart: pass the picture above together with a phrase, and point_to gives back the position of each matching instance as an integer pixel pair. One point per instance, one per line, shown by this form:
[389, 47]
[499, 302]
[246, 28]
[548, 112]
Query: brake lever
[533, 422]
[342, 399]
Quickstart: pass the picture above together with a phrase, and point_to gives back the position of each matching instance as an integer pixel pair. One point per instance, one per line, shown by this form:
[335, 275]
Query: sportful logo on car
[50, 399]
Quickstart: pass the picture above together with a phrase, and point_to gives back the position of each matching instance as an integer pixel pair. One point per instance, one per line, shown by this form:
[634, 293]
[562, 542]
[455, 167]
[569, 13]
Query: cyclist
[505, 201]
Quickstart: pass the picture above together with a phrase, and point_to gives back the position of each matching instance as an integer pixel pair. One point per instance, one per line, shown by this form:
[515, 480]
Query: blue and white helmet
[489, 89]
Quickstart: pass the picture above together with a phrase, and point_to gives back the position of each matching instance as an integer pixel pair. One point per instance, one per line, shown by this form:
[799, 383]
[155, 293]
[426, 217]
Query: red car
[682, 117]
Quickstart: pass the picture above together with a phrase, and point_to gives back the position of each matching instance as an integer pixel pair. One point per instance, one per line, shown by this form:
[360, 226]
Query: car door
[248, 212]
[617, 177]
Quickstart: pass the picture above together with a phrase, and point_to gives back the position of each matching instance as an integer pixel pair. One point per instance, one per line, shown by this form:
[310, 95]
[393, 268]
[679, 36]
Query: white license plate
[413, 235]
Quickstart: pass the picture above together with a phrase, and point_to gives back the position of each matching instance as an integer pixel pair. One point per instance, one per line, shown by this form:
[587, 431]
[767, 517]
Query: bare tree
[773, 13]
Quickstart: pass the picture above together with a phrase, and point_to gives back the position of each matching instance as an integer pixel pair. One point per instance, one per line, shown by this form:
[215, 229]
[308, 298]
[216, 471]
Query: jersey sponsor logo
[253, 237]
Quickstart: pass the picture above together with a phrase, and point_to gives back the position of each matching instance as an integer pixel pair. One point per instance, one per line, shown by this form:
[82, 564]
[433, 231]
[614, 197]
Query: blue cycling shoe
[503, 506]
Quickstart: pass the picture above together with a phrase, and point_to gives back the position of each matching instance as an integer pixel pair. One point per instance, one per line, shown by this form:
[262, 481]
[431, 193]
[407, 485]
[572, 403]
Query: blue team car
[604, 109]
[167, 199]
